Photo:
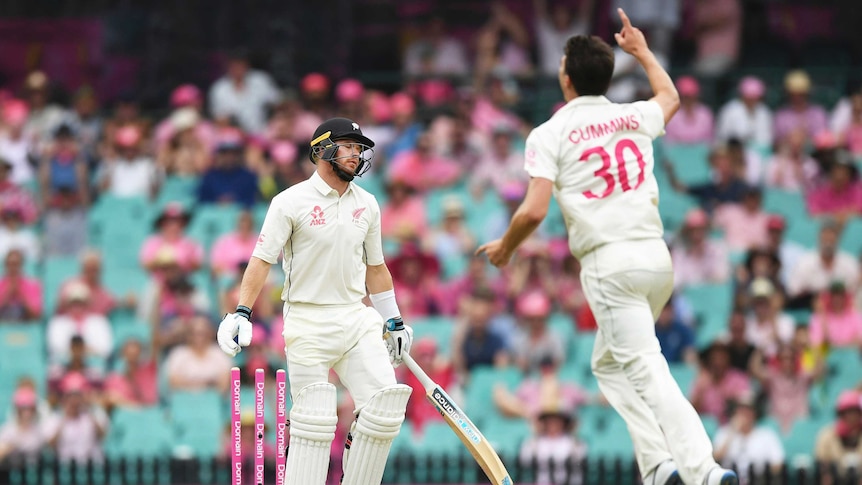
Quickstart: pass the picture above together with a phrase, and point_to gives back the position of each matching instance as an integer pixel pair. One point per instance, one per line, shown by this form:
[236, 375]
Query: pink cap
[185, 95]
[74, 382]
[688, 86]
[127, 136]
[434, 92]
[24, 398]
[15, 112]
[848, 400]
[696, 218]
[513, 191]
[314, 82]
[751, 87]
[229, 138]
[825, 140]
[425, 345]
[349, 90]
[402, 104]
[533, 304]
[283, 152]
[775, 222]
[378, 105]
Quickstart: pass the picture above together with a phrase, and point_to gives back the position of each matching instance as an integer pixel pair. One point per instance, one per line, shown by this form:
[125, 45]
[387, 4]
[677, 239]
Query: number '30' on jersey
[599, 155]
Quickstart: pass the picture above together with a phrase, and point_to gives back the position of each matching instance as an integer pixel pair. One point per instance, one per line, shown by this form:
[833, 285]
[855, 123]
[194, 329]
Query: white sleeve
[276, 230]
[773, 446]
[651, 117]
[373, 244]
[58, 336]
[540, 161]
[99, 338]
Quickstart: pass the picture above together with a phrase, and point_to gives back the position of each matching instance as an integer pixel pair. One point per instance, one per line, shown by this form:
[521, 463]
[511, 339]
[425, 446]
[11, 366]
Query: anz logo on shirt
[317, 216]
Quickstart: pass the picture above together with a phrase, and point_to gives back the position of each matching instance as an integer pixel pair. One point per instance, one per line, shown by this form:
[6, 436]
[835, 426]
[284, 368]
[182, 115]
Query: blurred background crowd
[140, 145]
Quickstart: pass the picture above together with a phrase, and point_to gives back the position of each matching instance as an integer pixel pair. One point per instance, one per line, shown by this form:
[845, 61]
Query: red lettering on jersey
[591, 132]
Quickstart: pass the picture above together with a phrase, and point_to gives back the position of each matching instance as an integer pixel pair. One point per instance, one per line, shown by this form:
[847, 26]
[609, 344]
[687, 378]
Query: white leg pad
[377, 425]
[312, 428]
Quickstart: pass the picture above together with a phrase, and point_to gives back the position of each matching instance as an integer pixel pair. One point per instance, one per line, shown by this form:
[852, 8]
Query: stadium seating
[711, 304]
[56, 270]
[198, 421]
[438, 328]
[138, 432]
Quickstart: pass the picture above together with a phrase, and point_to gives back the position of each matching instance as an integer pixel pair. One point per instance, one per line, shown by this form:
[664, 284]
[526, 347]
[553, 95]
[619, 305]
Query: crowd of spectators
[448, 172]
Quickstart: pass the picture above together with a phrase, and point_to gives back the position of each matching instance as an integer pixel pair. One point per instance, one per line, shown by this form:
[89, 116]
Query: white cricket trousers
[346, 338]
[627, 284]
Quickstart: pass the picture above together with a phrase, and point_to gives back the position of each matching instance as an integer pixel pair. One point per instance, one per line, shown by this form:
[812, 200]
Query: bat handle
[417, 371]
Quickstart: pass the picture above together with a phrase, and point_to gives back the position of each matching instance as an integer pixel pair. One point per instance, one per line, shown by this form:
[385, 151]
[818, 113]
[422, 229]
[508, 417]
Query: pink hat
[282, 152]
[533, 304]
[15, 112]
[378, 105]
[751, 87]
[696, 218]
[127, 136]
[314, 82]
[402, 104]
[825, 140]
[185, 95]
[24, 398]
[434, 92]
[688, 86]
[847, 400]
[775, 222]
[349, 90]
[425, 345]
[513, 191]
[74, 382]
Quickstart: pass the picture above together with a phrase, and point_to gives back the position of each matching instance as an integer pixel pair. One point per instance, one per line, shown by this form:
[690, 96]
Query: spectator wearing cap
[187, 103]
[77, 319]
[758, 262]
[22, 436]
[45, 116]
[788, 252]
[20, 295]
[426, 353]
[840, 196]
[836, 322]
[422, 169]
[693, 123]
[189, 142]
[406, 130]
[675, 337]
[698, 259]
[532, 271]
[171, 226]
[126, 113]
[534, 342]
[11, 195]
[786, 383]
[554, 26]
[416, 274]
[350, 96]
[476, 342]
[477, 275]
[766, 326]
[102, 301]
[717, 383]
[15, 235]
[840, 443]
[234, 248]
[791, 168]
[63, 168]
[453, 241]
[86, 123]
[500, 164]
[799, 112]
[198, 364]
[64, 226]
[228, 181]
[243, 94]
[282, 169]
[744, 444]
[135, 383]
[314, 89]
[744, 224]
[129, 172]
[435, 52]
[819, 268]
[16, 142]
[554, 448]
[78, 361]
[746, 117]
[403, 213]
[76, 431]
[726, 186]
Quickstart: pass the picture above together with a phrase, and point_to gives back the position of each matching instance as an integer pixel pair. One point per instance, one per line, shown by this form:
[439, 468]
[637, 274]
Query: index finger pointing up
[624, 18]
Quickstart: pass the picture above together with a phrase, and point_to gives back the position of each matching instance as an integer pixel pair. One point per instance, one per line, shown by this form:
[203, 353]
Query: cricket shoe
[664, 474]
[721, 476]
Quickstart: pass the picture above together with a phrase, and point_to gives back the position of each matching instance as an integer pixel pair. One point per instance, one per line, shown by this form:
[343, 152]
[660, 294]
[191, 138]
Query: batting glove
[234, 325]
[399, 338]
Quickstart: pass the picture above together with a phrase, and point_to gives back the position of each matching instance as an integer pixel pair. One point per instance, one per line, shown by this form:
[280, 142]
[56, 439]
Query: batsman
[329, 231]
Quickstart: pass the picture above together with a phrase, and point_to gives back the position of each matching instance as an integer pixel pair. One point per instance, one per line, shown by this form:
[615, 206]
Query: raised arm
[632, 41]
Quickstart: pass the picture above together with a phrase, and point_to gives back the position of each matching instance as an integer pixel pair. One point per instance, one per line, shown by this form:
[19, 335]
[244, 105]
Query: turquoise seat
[711, 304]
[613, 442]
[438, 328]
[134, 433]
[22, 355]
[851, 238]
[800, 440]
[182, 189]
[56, 270]
[479, 391]
[710, 424]
[209, 222]
[684, 375]
[563, 327]
[582, 350]
[673, 206]
[198, 422]
[690, 162]
[506, 435]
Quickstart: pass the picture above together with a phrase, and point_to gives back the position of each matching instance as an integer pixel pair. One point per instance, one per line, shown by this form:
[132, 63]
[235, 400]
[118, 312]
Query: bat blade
[463, 427]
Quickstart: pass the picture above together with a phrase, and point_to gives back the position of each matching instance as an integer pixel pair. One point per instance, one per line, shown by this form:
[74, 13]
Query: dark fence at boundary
[402, 469]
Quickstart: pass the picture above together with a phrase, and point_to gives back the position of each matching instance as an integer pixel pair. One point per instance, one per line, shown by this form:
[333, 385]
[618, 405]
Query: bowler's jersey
[600, 157]
[327, 241]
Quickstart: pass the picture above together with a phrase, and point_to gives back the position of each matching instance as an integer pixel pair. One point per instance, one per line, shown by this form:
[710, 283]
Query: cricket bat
[469, 434]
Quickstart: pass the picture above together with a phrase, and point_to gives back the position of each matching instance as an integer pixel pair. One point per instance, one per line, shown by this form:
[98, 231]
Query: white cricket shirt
[600, 157]
[327, 241]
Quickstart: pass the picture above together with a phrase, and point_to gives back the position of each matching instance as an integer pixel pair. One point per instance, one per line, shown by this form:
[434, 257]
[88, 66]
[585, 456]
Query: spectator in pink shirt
[171, 226]
[717, 26]
[786, 384]
[186, 98]
[477, 275]
[500, 165]
[12, 195]
[415, 275]
[102, 301]
[717, 383]
[403, 214]
[422, 169]
[744, 224]
[841, 195]
[697, 259]
[835, 321]
[791, 168]
[799, 112]
[198, 364]
[693, 123]
[136, 383]
[234, 248]
[20, 296]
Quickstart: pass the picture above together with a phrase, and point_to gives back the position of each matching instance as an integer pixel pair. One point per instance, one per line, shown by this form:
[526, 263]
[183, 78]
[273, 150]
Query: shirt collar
[587, 100]
[318, 183]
